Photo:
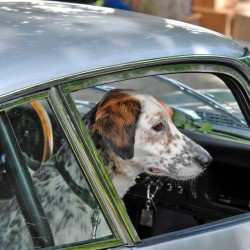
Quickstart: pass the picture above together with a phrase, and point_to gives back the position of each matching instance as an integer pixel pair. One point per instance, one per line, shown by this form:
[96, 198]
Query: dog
[134, 133]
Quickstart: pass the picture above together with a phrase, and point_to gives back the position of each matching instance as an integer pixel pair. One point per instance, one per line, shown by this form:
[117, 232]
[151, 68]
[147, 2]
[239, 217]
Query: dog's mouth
[160, 172]
[157, 171]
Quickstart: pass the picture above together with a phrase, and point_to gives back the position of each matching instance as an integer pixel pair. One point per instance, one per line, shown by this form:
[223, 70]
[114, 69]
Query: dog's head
[139, 129]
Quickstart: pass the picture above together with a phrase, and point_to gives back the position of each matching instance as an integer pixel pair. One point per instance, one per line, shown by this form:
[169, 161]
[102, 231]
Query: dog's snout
[204, 160]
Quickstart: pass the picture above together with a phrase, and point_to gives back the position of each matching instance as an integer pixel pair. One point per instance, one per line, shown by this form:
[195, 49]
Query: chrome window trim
[22, 100]
[156, 70]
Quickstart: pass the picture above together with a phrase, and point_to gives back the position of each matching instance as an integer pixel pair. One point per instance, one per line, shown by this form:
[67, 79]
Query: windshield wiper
[204, 98]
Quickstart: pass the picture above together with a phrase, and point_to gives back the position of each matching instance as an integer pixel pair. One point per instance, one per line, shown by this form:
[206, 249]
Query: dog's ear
[89, 118]
[115, 122]
[89, 121]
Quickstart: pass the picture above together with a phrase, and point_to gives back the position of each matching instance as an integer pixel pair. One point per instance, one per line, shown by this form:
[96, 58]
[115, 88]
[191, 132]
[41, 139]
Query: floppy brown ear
[116, 121]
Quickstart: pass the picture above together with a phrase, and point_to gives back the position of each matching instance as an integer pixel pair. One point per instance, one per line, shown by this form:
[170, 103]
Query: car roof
[42, 40]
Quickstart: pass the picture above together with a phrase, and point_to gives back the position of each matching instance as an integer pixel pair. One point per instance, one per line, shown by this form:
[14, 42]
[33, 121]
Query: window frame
[238, 82]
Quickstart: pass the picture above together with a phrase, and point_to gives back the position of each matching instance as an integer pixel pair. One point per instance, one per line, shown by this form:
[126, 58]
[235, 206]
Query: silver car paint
[233, 237]
[41, 41]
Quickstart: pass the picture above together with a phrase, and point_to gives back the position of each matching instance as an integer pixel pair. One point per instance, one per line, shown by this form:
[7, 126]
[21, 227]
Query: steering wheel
[47, 129]
[33, 130]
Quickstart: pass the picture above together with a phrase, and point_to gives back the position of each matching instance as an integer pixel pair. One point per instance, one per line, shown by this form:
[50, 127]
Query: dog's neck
[123, 173]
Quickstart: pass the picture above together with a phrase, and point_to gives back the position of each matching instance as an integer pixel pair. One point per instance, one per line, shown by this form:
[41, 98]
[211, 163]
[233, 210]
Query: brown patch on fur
[152, 139]
[154, 117]
[167, 108]
[117, 169]
[121, 112]
[171, 138]
[116, 118]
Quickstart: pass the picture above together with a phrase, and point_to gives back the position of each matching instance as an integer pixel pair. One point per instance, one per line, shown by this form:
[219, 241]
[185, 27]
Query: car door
[187, 214]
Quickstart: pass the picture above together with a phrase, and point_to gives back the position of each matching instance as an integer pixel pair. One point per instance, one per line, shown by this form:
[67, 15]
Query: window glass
[68, 203]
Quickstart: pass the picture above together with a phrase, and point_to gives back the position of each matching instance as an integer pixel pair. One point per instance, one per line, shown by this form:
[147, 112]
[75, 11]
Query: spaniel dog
[134, 133]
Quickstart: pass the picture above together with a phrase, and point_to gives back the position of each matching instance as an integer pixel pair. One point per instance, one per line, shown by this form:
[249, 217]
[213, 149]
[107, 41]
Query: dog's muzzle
[204, 159]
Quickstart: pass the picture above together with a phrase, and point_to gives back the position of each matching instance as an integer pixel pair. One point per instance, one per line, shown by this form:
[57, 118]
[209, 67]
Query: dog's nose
[204, 160]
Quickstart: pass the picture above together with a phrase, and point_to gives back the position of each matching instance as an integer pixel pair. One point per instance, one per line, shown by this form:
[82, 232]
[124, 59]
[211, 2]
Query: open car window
[44, 192]
[206, 110]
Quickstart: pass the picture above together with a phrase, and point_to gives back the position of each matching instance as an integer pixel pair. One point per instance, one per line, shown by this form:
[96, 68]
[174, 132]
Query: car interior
[206, 111]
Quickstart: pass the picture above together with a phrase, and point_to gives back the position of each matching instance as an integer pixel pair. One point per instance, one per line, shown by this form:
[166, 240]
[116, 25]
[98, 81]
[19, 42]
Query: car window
[68, 204]
[203, 109]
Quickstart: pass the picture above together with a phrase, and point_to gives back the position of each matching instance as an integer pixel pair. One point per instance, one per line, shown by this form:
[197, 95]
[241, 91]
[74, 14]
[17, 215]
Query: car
[58, 60]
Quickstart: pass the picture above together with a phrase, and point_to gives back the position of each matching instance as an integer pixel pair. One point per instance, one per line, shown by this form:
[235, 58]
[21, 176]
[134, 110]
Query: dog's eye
[158, 127]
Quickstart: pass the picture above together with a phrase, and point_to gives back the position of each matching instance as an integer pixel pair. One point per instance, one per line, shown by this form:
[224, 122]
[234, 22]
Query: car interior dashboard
[222, 191]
